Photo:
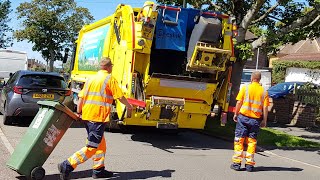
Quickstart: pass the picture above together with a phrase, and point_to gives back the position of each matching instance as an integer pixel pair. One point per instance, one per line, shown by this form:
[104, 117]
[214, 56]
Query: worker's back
[253, 96]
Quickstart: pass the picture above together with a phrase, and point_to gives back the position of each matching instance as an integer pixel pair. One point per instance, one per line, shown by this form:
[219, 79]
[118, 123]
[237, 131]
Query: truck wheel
[38, 173]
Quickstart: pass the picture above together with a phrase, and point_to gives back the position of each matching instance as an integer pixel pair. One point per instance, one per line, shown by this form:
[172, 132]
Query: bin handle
[124, 112]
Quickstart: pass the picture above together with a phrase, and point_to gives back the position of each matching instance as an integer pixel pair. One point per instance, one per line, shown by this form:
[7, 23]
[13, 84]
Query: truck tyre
[38, 173]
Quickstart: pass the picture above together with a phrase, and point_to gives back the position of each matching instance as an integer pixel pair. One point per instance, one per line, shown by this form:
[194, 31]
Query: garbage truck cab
[174, 64]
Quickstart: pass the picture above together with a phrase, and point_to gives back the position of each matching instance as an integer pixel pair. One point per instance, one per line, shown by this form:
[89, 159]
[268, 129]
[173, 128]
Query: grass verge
[267, 137]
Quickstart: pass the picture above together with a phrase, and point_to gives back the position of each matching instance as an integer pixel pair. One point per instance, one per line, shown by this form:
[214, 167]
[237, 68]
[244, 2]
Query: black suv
[24, 89]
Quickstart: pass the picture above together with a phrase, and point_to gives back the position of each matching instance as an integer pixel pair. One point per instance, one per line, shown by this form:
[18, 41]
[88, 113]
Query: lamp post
[258, 54]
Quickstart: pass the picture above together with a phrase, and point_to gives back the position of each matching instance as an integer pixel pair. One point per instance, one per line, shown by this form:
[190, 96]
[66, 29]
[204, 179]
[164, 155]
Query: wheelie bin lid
[60, 107]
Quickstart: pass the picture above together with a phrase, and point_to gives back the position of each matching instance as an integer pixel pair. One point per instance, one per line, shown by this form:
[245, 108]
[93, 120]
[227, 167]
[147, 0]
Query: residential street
[145, 154]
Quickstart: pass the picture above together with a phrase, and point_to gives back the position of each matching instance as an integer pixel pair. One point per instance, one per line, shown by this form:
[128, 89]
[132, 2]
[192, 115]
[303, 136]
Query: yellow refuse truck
[174, 64]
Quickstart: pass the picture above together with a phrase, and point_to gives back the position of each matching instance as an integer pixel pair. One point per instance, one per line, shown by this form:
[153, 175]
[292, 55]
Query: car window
[13, 78]
[48, 81]
[246, 77]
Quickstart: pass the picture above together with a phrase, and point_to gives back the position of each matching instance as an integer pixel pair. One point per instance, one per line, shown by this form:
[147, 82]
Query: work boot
[63, 174]
[249, 168]
[102, 174]
[235, 166]
[64, 168]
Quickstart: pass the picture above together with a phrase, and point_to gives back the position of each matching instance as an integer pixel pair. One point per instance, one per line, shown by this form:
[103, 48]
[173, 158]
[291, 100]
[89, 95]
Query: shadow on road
[145, 174]
[263, 168]
[26, 121]
[167, 140]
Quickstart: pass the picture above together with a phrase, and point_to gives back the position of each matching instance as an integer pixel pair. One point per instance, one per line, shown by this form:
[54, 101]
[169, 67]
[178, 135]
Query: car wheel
[7, 120]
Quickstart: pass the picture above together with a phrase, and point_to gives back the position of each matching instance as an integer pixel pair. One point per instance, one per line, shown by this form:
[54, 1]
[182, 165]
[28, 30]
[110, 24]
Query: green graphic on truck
[91, 48]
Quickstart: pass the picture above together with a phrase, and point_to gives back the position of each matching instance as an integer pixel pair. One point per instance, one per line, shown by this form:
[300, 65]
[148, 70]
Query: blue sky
[98, 9]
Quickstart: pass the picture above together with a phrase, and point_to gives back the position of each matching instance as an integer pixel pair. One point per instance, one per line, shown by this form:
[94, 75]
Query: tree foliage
[275, 22]
[5, 10]
[51, 26]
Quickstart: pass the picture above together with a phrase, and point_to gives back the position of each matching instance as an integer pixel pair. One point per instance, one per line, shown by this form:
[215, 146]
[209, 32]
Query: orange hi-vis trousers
[86, 153]
[246, 132]
[95, 146]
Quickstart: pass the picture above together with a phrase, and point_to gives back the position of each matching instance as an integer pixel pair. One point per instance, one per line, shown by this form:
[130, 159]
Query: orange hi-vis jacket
[254, 97]
[98, 94]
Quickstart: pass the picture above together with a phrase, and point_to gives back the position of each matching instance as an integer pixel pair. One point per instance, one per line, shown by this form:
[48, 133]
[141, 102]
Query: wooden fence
[308, 96]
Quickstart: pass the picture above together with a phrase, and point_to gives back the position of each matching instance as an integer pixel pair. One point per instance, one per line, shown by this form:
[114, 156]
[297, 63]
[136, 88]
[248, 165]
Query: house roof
[302, 57]
[250, 36]
[303, 50]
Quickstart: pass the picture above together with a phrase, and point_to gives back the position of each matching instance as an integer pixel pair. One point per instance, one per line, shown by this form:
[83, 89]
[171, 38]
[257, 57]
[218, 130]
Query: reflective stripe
[83, 155]
[105, 84]
[249, 108]
[99, 163]
[237, 152]
[99, 94]
[102, 94]
[93, 144]
[250, 101]
[249, 155]
[254, 102]
[249, 158]
[75, 157]
[100, 155]
[102, 90]
[98, 103]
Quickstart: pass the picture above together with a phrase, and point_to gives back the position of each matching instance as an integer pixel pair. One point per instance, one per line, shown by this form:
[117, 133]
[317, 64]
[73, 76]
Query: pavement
[306, 156]
[310, 134]
[309, 157]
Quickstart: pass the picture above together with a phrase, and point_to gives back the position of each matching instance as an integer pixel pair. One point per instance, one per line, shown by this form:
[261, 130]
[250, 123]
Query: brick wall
[290, 111]
[303, 115]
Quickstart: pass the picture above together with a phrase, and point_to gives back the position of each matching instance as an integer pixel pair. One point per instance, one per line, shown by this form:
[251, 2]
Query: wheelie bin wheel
[38, 173]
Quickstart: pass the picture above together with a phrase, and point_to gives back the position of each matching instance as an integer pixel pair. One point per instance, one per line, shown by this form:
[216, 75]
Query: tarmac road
[142, 154]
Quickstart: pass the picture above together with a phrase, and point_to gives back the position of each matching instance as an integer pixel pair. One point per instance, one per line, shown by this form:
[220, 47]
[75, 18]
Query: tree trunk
[237, 70]
[47, 67]
[51, 60]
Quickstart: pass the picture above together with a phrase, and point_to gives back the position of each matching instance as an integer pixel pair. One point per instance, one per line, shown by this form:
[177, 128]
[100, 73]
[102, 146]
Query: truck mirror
[66, 54]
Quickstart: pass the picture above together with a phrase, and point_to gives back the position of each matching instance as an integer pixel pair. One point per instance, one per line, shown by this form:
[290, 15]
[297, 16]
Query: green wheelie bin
[45, 131]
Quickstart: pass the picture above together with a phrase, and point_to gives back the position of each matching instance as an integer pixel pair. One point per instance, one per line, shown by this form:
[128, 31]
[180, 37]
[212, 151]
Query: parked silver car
[19, 96]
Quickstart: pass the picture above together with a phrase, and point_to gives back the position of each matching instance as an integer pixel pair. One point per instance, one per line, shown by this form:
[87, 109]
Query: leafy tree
[51, 26]
[4, 28]
[275, 22]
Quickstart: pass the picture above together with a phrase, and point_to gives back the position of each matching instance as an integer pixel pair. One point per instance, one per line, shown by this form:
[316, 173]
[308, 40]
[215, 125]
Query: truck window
[73, 57]
[91, 48]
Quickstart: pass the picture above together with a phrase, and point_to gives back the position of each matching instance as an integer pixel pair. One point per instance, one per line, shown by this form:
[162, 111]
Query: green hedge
[279, 68]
